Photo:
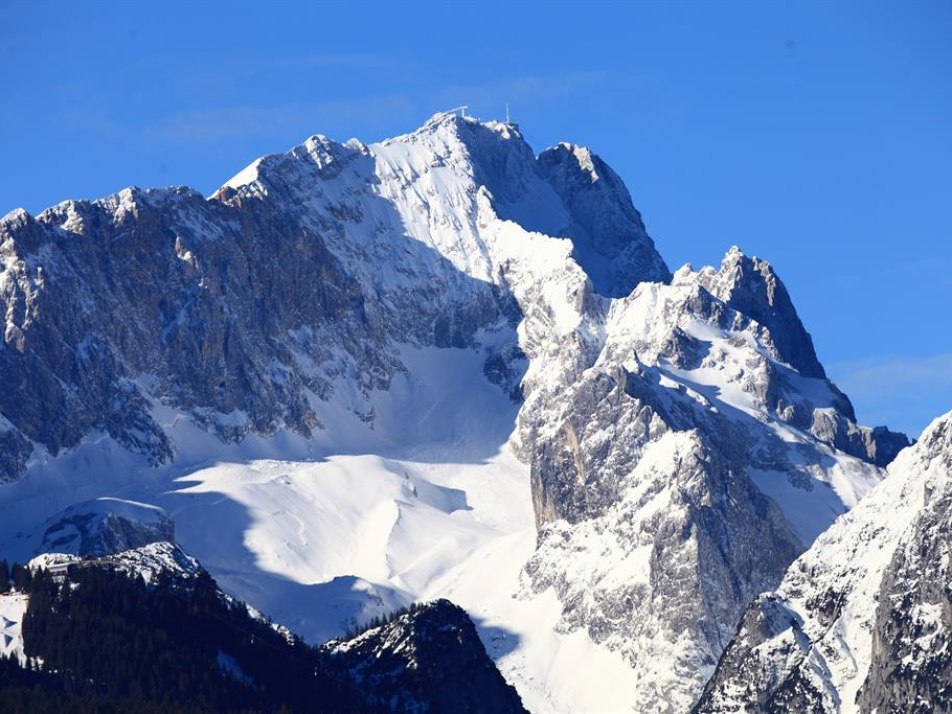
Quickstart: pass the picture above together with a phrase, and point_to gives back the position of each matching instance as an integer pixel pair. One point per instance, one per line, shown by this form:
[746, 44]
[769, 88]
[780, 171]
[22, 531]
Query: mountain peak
[18, 216]
[430, 653]
[751, 286]
[567, 191]
[733, 255]
[462, 128]
[582, 155]
[608, 235]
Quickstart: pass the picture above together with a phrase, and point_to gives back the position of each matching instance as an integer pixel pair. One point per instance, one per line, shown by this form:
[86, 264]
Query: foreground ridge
[860, 623]
[148, 628]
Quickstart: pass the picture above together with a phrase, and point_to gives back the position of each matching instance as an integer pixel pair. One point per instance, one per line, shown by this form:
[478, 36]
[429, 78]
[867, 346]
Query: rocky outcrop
[911, 657]
[676, 475]
[106, 526]
[609, 239]
[160, 295]
[751, 287]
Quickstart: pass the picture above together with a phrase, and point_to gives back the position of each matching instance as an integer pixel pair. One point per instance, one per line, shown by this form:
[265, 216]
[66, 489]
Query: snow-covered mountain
[361, 375]
[689, 458]
[306, 269]
[148, 562]
[861, 620]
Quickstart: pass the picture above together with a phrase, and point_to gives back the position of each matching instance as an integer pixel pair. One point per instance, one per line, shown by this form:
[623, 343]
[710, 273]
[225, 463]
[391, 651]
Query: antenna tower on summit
[507, 113]
[461, 109]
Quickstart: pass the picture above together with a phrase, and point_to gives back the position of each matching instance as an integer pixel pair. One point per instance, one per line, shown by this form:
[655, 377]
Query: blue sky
[817, 135]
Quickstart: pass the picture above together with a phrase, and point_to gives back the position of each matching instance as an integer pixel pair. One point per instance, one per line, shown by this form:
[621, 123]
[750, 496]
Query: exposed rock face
[427, 660]
[751, 287]
[911, 662]
[861, 622]
[609, 239]
[106, 526]
[15, 449]
[160, 295]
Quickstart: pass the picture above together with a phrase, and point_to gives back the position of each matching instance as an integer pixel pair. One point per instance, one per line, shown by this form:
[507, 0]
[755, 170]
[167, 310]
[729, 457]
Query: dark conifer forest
[108, 642]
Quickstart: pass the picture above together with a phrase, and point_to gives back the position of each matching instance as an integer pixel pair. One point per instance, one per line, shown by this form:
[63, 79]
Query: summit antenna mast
[461, 109]
[507, 113]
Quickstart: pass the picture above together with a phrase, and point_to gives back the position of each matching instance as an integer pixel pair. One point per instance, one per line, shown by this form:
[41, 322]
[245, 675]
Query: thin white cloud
[903, 392]
[238, 122]
[520, 89]
[209, 125]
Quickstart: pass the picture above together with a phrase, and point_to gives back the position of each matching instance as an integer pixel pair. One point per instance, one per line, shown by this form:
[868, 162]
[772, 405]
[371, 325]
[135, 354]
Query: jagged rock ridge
[237, 308]
[686, 462]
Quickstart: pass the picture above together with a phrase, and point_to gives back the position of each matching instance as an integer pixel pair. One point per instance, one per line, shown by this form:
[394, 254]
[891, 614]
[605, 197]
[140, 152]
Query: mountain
[429, 658]
[98, 634]
[304, 268]
[860, 622]
[437, 366]
[149, 628]
[690, 457]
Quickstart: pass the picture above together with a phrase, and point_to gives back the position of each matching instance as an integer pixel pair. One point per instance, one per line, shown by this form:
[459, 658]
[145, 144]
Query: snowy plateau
[441, 366]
